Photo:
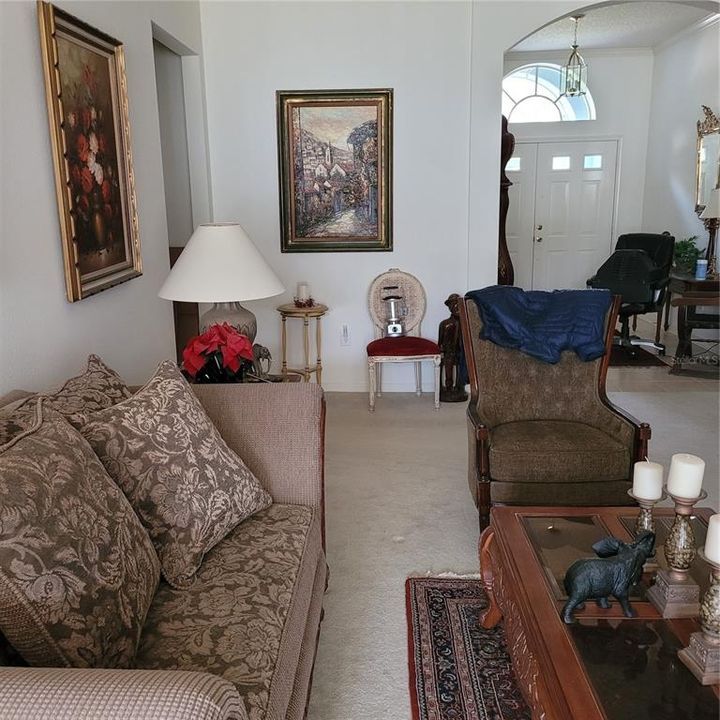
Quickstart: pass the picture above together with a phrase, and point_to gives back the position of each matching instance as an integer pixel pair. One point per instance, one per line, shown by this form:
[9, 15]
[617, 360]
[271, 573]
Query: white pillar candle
[303, 291]
[712, 539]
[648, 480]
[686, 475]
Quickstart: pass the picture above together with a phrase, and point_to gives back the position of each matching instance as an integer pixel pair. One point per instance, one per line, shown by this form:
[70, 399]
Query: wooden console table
[290, 310]
[605, 666]
[690, 293]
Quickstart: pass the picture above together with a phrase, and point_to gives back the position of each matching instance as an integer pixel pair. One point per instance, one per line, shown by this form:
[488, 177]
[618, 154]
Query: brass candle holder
[674, 593]
[645, 520]
[702, 655]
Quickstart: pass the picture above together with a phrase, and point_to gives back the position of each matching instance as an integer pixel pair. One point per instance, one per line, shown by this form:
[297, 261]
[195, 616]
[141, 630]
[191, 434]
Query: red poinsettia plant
[220, 354]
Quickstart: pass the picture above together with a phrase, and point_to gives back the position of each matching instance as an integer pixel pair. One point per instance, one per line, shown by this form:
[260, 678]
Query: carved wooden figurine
[452, 387]
[262, 361]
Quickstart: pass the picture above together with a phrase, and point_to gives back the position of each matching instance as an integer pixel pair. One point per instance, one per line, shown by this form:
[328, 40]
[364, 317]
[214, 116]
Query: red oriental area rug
[458, 670]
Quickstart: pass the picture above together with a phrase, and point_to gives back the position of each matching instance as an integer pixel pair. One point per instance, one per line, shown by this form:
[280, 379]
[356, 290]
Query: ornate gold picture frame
[87, 101]
[335, 162]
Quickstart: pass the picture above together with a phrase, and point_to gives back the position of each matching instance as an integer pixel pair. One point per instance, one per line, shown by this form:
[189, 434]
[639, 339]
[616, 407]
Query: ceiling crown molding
[689, 30]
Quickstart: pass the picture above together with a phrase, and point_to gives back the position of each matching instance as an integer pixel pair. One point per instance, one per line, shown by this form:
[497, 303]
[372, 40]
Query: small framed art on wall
[335, 162]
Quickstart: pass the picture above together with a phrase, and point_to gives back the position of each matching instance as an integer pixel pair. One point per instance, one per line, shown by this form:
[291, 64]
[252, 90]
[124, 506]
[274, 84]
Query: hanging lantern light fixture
[574, 72]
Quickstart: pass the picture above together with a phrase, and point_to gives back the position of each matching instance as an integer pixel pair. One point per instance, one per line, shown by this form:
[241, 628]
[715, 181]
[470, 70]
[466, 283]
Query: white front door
[572, 208]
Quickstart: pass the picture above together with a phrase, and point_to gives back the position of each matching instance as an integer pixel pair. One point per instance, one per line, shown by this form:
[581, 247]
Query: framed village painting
[90, 134]
[335, 158]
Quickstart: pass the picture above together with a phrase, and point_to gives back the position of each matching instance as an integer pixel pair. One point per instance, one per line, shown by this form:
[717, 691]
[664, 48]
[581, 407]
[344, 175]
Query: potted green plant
[686, 254]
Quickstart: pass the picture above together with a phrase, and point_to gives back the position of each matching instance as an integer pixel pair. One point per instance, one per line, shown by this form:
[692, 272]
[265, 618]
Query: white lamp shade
[220, 264]
[712, 209]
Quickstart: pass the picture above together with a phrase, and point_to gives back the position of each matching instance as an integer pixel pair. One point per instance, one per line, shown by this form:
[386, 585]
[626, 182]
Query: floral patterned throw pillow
[187, 486]
[77, 569]
[99, 387]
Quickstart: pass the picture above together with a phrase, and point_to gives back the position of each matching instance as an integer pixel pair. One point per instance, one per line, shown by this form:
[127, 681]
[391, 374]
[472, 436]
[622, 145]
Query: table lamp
[711, 216]
[220, 265]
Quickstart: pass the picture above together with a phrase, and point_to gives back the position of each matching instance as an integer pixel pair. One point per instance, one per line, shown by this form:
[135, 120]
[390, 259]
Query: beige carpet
[398, 505]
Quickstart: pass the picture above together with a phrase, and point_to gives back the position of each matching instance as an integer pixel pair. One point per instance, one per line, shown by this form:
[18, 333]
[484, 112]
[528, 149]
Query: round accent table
[304, 313]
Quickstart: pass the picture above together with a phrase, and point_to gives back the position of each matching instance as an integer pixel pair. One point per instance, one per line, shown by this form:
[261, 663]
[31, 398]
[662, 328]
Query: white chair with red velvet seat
[407, 348]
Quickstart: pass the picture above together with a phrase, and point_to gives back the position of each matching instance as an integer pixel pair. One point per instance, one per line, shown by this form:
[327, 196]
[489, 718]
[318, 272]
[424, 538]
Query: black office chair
[638, 271]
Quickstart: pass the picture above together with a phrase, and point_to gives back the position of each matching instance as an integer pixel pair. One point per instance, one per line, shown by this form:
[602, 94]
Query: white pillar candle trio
[675, 594]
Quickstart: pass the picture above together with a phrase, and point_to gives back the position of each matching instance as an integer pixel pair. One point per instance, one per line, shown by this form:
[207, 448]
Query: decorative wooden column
[506, 274]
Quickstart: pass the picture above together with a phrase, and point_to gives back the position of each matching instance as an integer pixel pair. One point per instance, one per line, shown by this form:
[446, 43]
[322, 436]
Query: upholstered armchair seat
[559, 493]
[407, 345]
[555, 450]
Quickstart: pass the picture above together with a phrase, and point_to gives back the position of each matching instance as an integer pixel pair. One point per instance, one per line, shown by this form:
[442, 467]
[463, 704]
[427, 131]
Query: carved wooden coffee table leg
[492, 616]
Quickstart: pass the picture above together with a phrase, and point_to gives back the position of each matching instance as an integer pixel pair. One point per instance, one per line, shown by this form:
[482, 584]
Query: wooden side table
[689, 294]
[304, 313]
[682, 283]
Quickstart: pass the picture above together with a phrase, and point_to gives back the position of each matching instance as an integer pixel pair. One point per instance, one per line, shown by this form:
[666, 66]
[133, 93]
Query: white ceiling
[623, 25]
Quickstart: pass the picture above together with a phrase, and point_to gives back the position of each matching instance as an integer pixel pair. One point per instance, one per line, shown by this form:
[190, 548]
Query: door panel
[521, 212]
[557, 220]
[560, 219]
[575, 207]
[590, 203]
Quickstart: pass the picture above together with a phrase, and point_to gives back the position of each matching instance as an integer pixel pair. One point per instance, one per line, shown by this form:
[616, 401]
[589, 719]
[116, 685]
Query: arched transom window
[533, 93]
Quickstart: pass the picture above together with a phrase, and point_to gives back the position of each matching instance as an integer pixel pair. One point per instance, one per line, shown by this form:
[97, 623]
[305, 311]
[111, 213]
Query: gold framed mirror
[707, 161]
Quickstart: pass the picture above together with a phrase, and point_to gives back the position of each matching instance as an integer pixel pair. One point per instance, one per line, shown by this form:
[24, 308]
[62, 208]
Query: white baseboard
[397, 387]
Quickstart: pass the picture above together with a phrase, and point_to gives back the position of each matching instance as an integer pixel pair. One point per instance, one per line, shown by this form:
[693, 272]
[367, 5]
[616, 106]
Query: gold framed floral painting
[335, 163]
[90, 133]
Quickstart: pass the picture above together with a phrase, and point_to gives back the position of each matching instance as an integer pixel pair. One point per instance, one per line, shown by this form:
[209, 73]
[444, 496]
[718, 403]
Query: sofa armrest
[278, 430]
[51, 693]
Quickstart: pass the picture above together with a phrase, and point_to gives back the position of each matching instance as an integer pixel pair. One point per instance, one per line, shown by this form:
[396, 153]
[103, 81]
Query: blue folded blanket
[544, 324]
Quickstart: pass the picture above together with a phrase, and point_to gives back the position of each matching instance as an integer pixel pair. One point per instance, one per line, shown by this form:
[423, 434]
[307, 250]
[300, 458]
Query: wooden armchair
[542, 434]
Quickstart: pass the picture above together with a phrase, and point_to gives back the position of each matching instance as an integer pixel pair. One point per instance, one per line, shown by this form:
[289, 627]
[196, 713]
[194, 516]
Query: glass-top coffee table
[605, 666]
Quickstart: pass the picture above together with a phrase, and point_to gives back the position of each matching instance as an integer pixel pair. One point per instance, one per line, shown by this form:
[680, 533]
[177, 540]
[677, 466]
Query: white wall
[423, 52]
[444, 61]
[620, 83]
[43, 338]
[684, 78]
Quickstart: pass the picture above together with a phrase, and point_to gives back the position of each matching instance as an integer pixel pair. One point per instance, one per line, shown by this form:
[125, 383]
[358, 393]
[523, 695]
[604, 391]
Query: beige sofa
[240, 644]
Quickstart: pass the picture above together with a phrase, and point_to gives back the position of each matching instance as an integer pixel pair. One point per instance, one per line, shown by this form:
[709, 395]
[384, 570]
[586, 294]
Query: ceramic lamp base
[674, 598]
[232, 313]
[702, 657]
